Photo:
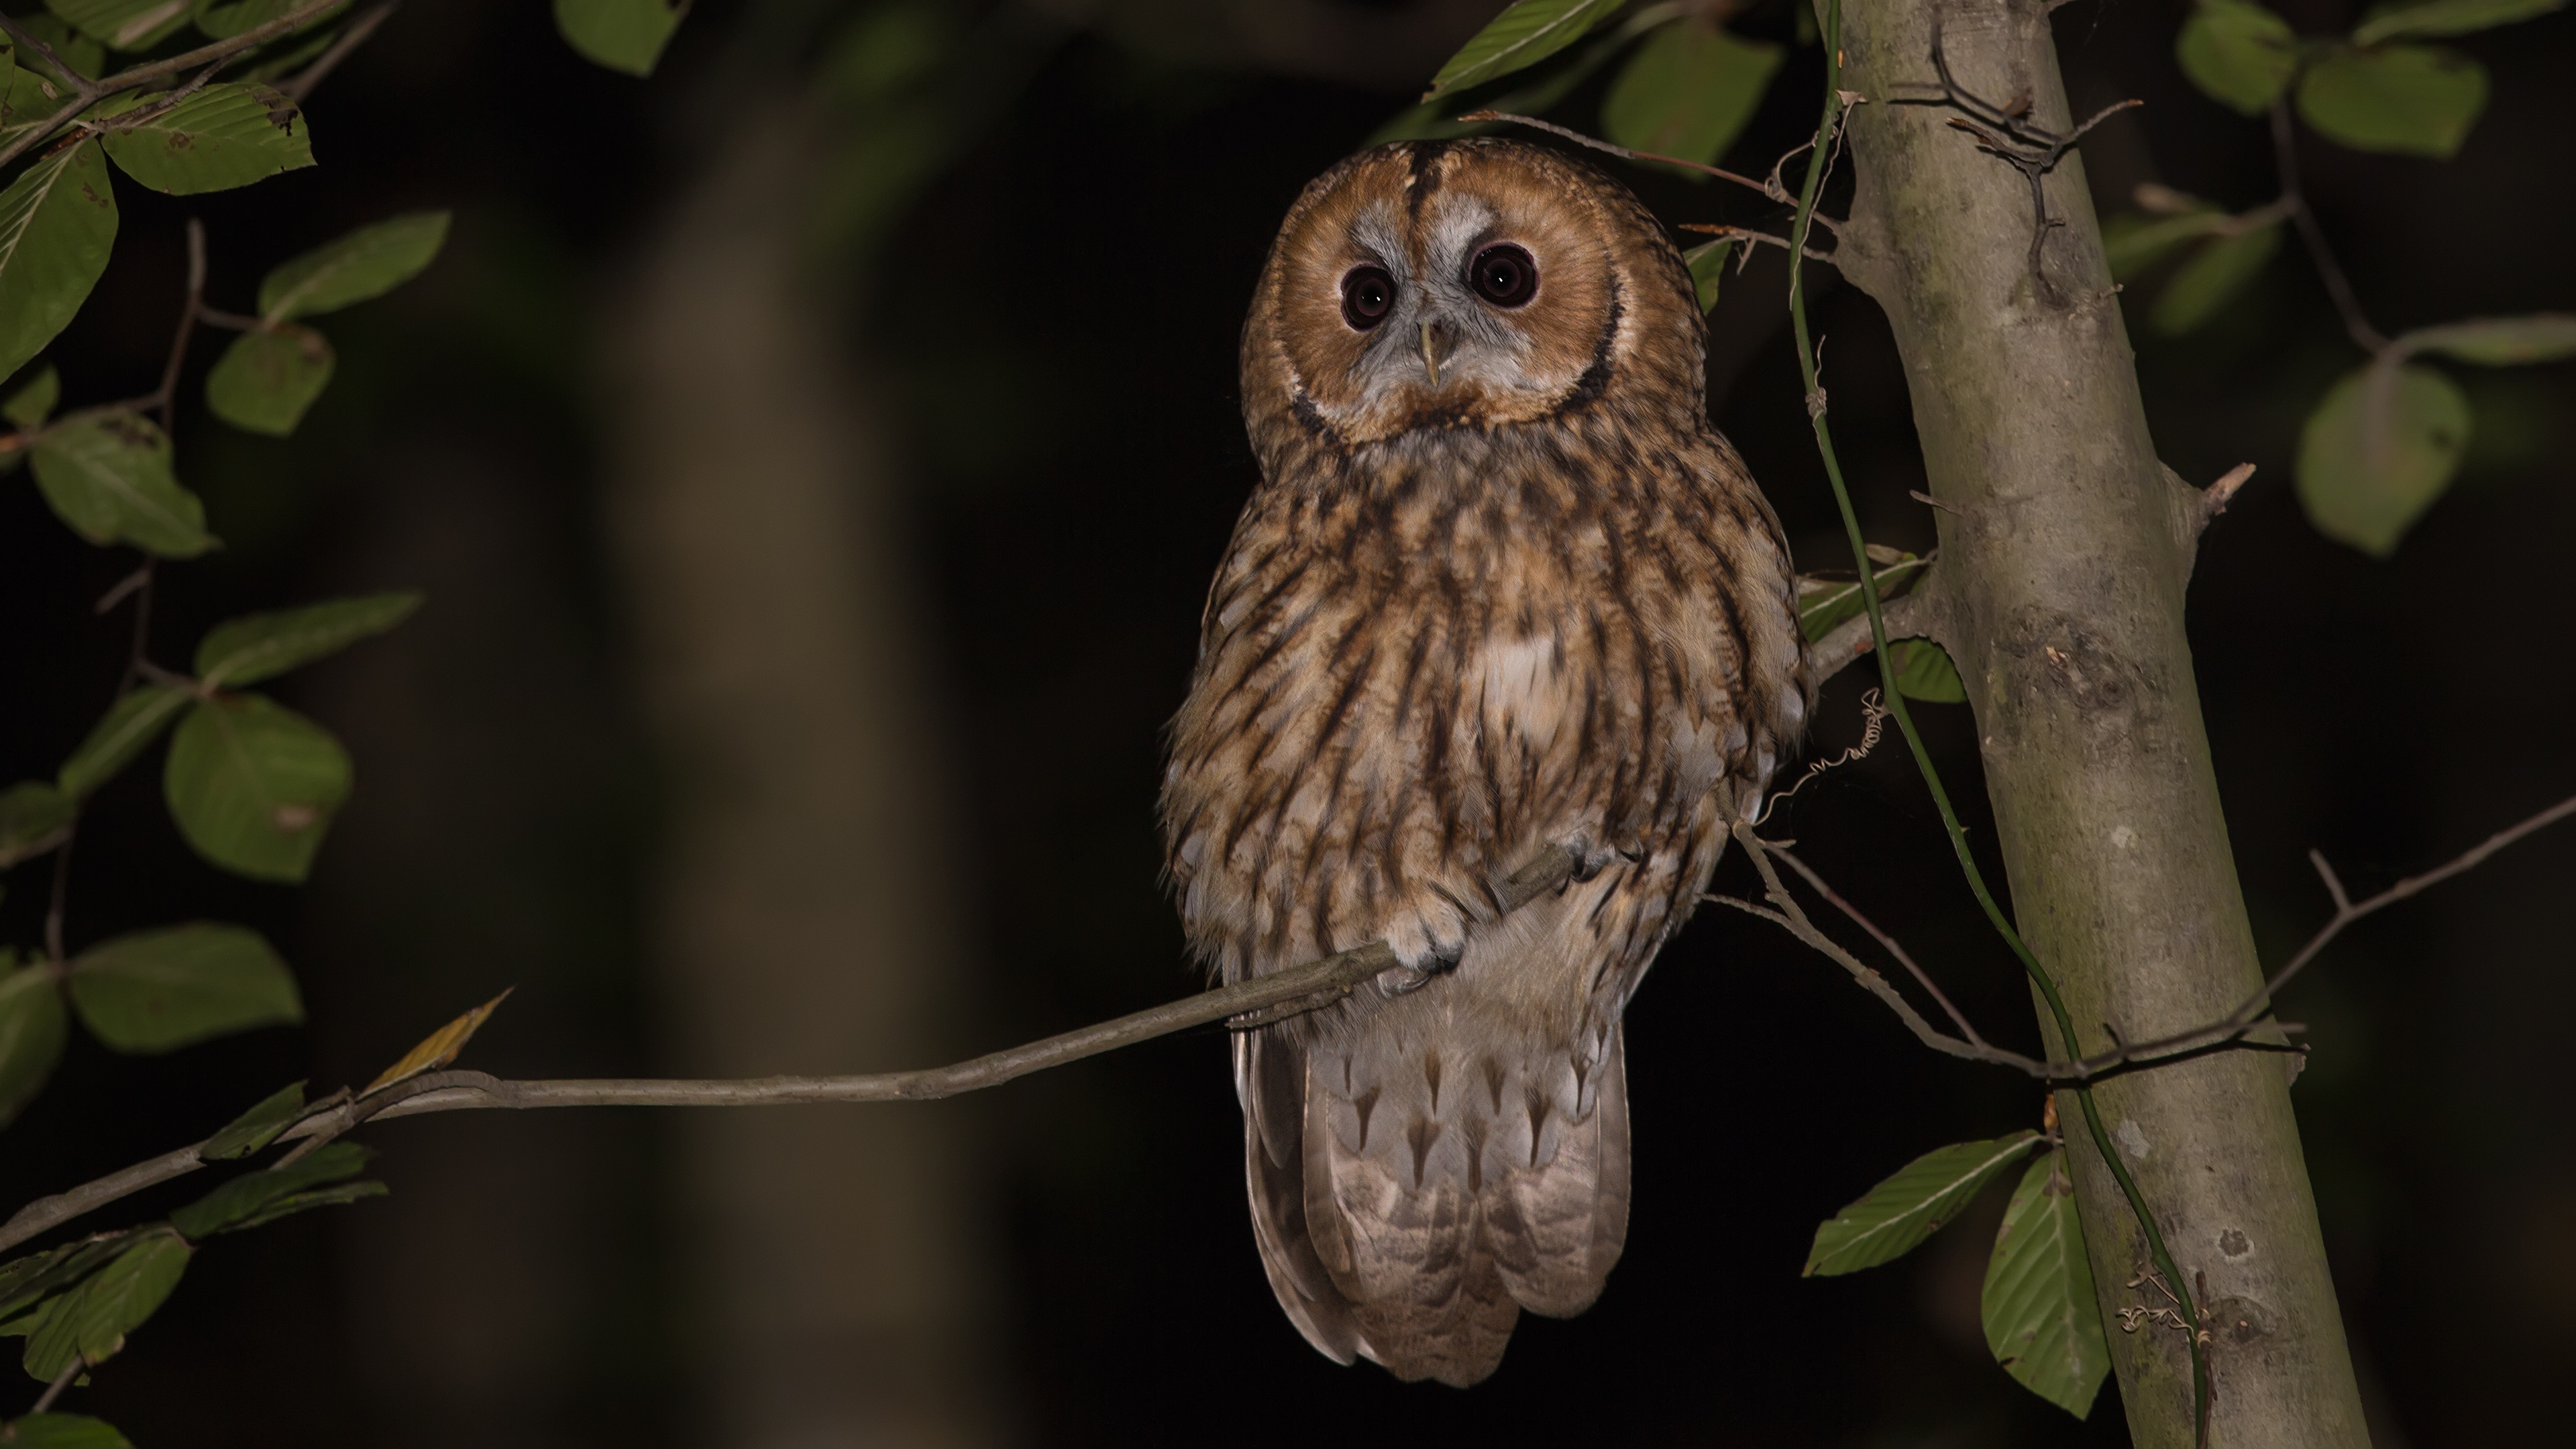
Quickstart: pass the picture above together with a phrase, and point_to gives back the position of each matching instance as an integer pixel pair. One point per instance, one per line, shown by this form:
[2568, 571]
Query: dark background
[1042, 329]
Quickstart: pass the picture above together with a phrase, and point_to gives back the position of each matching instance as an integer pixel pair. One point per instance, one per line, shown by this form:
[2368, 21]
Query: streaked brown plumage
[1502, 586]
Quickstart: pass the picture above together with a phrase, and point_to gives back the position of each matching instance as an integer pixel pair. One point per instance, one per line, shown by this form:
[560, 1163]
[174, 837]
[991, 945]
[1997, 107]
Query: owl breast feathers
[1502, 587]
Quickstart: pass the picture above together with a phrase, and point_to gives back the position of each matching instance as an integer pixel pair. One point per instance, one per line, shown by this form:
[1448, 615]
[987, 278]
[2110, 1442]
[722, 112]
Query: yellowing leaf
[441, 1047]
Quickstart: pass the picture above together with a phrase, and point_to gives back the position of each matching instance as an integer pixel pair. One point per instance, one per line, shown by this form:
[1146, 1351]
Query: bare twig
[1748, 234]
[87, 92]
[1789, 917]
[1771, 189]
[2347, 911]
[1311, 986]
[2215, 498]
[329, 60]
[2228, 1033]
[61, 1382]
[1887, 942]
[2007, 131]
[167, 398]
[2285, 159]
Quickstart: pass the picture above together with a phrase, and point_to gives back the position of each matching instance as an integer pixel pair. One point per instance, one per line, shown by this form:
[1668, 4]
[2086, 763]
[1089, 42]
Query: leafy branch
[87, 92]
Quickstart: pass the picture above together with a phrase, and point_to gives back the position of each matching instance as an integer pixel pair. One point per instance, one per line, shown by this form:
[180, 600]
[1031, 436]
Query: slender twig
[1773, 191]
[61, 1382]
[26, 38]
[2347, 911]
[87, 92]
[2285, 160]
[329, 60]
[1886, 942]
[168, 396]
[1748, 234]
[59, 893]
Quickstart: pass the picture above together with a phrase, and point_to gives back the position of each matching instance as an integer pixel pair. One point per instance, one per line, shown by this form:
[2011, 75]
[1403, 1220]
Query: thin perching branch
[1245, 1005]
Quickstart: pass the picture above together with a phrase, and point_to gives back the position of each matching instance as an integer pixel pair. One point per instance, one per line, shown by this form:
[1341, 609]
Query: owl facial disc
[1433, 286]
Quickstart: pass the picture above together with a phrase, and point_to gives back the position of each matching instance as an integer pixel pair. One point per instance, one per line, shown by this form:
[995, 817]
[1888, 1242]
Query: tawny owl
[1502, 587]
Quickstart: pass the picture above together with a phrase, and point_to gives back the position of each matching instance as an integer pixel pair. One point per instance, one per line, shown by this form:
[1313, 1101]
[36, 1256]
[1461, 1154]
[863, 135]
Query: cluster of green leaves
[76, 1304]
[2042, 1320]
[2386, 440]
[251, 785]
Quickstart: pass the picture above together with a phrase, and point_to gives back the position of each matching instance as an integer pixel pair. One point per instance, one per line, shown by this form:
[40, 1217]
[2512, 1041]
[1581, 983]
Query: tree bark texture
[2065, 552]
[808, 917]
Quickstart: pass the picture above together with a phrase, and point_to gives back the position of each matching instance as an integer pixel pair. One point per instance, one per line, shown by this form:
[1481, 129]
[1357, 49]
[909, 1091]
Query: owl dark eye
[1368, 294]
[1504, 275]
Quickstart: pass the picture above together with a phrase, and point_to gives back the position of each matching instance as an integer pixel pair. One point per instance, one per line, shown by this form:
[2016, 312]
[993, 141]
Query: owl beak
[1438, 341]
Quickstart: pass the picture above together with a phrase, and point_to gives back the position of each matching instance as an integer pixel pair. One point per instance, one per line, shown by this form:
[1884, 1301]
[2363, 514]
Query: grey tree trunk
[2065, 551]
[808, 915]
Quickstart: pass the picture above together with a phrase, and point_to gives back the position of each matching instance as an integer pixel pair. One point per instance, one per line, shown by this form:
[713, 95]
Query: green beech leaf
[134, 721]
[8, 64]
[64, 1431]
[234, 1204]
[90, 1322]
[2500, 341]
[2238, 53]
[2042, 1321]
[2131, 243]
[367, 263]
[2446, 17]
[257, 1127]
[2377, 452]
[261, 646]
[32, 1028]
[1924, 672]
[34, 400]
[122, 24]
[1688, 91]
[57, 222]
[157, 991]
[266, 379]
[222, 18]
[623, 35]
[77, 50]
[1898, 1214]
[107, 476]
[221, 137]
[2406, 100]
[2203, 286]
[33, 817]
[1526, 33]
[1707, 263]
[253, 785]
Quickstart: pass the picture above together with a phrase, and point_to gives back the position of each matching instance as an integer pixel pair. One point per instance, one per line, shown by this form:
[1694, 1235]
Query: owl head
[1428, 286]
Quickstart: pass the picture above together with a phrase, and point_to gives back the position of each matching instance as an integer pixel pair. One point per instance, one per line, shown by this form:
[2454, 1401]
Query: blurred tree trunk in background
[838, 1270]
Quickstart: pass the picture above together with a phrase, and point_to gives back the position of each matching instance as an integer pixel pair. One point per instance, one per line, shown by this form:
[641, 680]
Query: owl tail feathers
[1386, 1248]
